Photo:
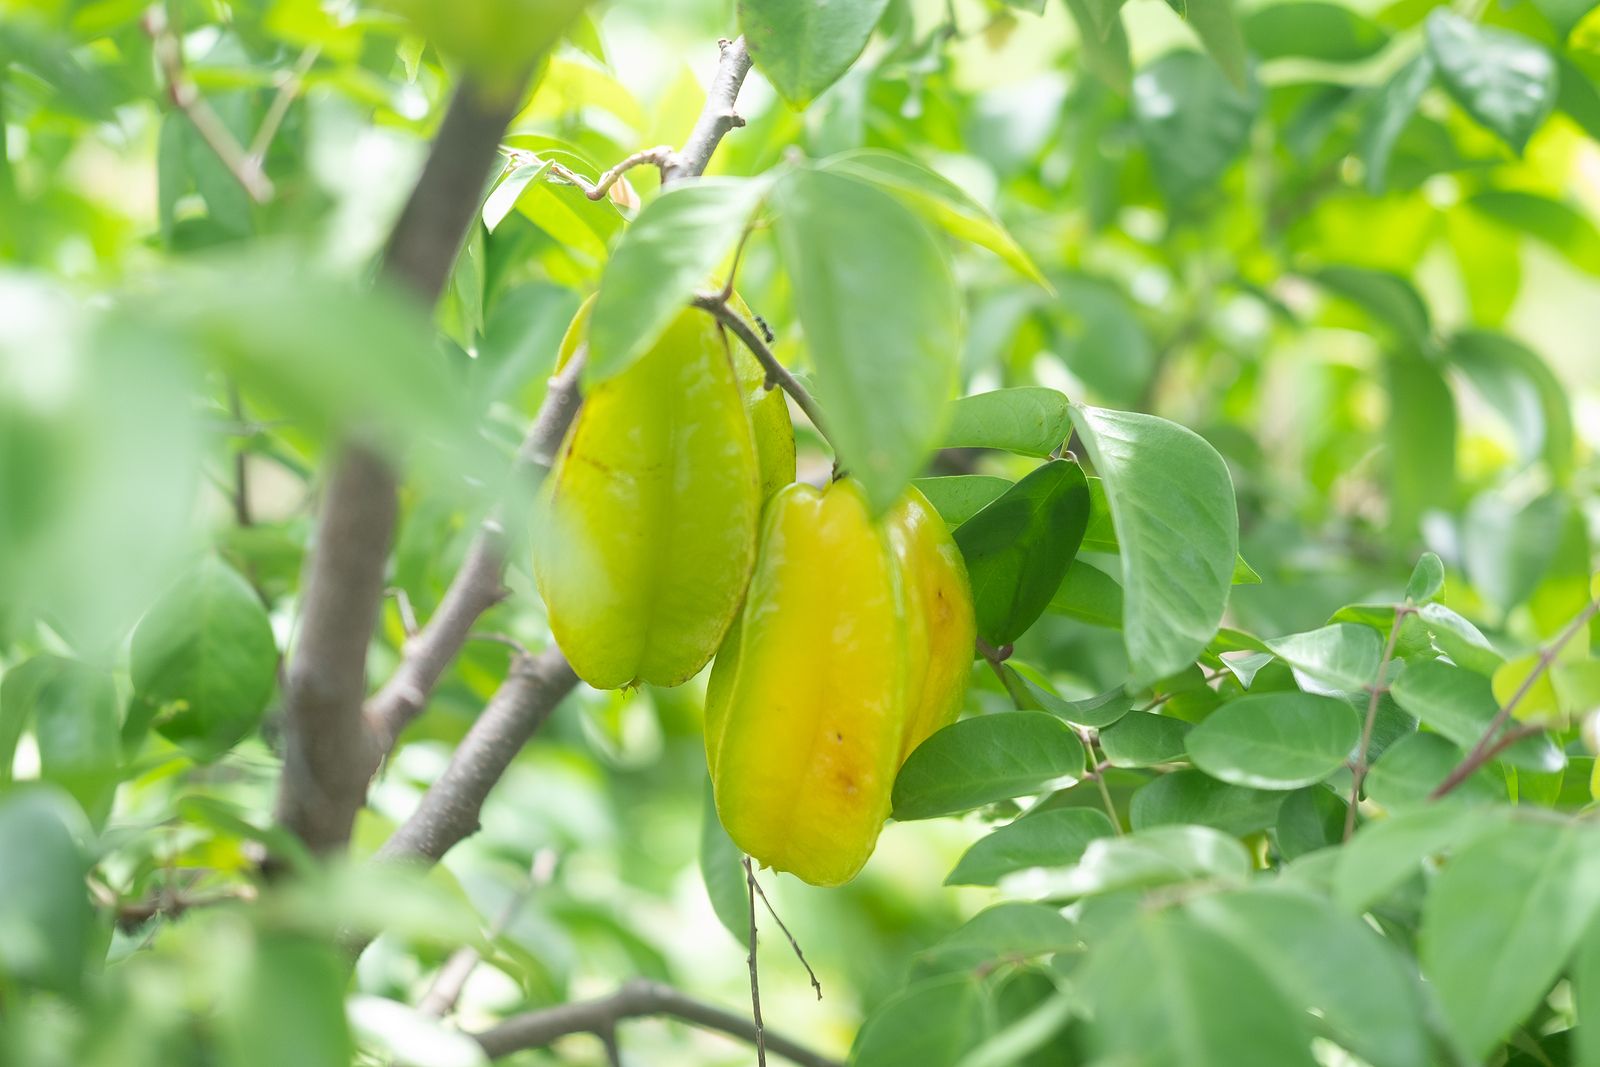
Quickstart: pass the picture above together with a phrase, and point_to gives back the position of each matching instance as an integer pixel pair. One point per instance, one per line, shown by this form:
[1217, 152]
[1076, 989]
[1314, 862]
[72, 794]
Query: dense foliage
[1246, 350]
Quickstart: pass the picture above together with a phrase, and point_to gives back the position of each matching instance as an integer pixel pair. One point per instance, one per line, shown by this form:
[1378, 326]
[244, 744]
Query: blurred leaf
[958, 497]
[1166, 990]
[1408, 771]
[1388, 298]
[73, 708]
[1314, 29]
[1143, 739]
[1504, 80]
[1523, 389]
[1105, 41]
[979, 761]
[44, 906]
[1192, 121]
[1309, 820]
[1585, 977]
[663, 259]
[1507, 550]
[1421, 438]
[1275, 740]
[1501, 921]
[291, 1009]
[1171, 497]
[804, 46]
[1328, 962]
[1215, 23]
[1050, 838]
[1390, 111]
[1526, 681]
[1030, 421]
[1460, 705]
[1563, 227]
[1167, 855]
[722, 873]
[206, 656]
[942, 201]
[495, 39]
[411, 1036]
[1018, 548]
[1564, 15]
[1386, 852]
[876, 298]
[929, 1024]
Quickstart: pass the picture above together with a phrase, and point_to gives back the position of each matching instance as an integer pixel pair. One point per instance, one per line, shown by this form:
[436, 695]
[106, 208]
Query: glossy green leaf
[502, 199]
[1342, 656]
[1013, 930]
[1427, 579]
[1171, 498]
[979, 761]
[1051, 838]
[941, 200]
[1506, 81]
[1097, 711]
[1501, 922]
[1457, 638]
[1019, 547]
[205, 657]
[1275, 740]
[1089, 595]
[1029, 420]
[958, 497]
[1167, 990]
[664, 257]
[1193, 122]
[1195, 797]
[804, 46]
[1165, 855]
[880, 310]
[1143, 739]
[1388, 114]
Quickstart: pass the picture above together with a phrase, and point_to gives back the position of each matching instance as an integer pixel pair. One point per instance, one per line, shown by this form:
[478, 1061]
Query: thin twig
[241, 465]
[288, 89]
[1358, 769]
[402, 604]
[660, 156]
[777, 373]
[755, 981]
[1487, 747]
[186, 98]
[793, 943]
[733, 273]
[536, 1029]
[717, 117]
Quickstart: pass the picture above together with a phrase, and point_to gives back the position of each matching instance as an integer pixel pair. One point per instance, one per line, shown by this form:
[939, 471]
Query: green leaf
[1309, 819]
[1275, 740]
[1506, 81]
[1009, 931]
[502, 199]
[958, 497]
[664, 257]
[1051, 838]
[929, 1024]
[1524, 390]
[1501, 921]
[1507, 550]
[1193, 123]
[979, 761]
[1391, 109]
[1421, 439]
[1459, 639]
[45, 917]
[1094, 712]
[1314, 29]
[1195, 797]
[1105, 41]
[1387, 297]
[880, 309]
[1460, 705]
[1585, 976]
[1089, 595]
[1171, 498]
[1325, 961]
[1564, 15]
[1018, 548]
[1427, 579]
[803, 46]
[1030, 421]
[1566, 229]
[291, 1007]
[722, 873]
[1166, 990]
[1343, 656]
[1215, 23]
[1165, 855]
[76, 725]
[1578, 98]
[1413, 767]
[1143, 739]
[942, 201]
[1386, 852]
[206, 657]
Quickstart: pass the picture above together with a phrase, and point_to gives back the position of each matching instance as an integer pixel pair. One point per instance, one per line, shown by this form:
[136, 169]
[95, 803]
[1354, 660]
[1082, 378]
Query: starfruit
[854, 645]
[648, 520]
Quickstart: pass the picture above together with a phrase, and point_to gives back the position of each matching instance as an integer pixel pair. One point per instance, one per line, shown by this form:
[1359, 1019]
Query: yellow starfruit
[647, 529]
[855, 644]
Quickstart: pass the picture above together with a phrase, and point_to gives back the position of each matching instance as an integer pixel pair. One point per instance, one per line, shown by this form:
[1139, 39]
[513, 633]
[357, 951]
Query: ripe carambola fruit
[647, 527]
[855, 644]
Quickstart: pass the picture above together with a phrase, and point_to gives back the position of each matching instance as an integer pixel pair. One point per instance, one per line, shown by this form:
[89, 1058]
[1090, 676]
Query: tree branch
[536, 1029]
[777, 373]
[449, 810]
[1358, 770]
[329, 752]
[718, 116]
[660, 156]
